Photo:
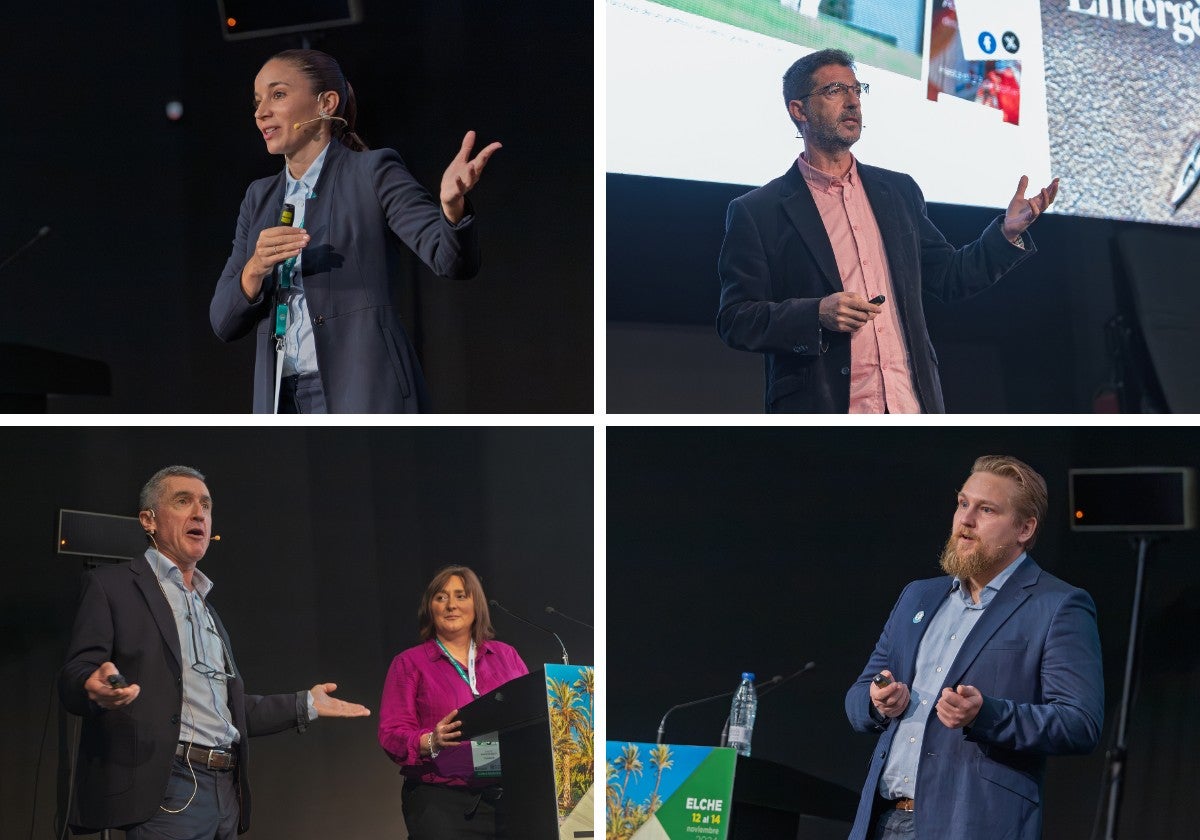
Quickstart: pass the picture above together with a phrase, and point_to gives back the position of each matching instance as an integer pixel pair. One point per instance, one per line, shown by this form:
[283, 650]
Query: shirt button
[924, 702]
[912, 740]
[845, 371]
[953, 637]
[939, 670]
[319, 321]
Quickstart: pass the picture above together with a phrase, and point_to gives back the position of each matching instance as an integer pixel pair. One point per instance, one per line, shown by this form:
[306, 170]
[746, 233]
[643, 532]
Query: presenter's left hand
[327, 706]
[462, 175]
[957, 709]
[1023, 211]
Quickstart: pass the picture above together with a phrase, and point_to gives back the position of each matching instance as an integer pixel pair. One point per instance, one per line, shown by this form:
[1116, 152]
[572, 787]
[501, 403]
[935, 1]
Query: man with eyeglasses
[166, 716]
[822, 270]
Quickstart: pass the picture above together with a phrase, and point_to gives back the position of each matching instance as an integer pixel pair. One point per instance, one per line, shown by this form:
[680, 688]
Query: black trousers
[438, 812]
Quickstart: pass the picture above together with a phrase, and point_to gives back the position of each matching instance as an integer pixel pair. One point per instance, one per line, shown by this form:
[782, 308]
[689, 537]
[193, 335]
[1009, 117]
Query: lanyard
[468, 679]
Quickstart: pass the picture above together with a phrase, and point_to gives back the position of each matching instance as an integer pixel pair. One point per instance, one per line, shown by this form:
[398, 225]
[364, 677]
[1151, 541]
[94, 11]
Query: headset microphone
[323, 117]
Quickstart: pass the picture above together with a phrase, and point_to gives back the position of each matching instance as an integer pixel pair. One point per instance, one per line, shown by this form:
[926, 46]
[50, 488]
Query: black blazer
[777, 263]
[125, 754]
[366, 204]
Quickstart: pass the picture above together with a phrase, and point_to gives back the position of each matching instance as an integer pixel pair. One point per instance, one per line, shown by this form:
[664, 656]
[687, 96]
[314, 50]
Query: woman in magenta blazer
[457, 661]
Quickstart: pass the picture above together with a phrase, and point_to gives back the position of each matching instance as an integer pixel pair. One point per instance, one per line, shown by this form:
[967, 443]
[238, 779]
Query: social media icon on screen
[987, 42]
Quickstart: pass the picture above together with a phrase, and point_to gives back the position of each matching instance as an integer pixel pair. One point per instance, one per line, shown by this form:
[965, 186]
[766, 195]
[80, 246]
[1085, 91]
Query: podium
[544, 720]
[770, 798]
[682, 792]
[28, 375]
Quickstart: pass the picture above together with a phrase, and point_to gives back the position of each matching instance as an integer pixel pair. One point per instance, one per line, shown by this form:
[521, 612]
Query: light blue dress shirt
[205, 717]
[299, 349]
[948, 629]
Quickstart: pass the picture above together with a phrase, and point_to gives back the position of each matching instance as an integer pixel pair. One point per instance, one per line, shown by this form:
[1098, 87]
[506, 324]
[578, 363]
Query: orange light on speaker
[62, 542]
[1079, 514]
[231, 22]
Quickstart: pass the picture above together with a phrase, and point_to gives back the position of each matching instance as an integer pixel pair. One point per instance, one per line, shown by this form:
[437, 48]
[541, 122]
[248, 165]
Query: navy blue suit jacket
[366, 203]
[125, 754]
[777, 263]
[1035, 657]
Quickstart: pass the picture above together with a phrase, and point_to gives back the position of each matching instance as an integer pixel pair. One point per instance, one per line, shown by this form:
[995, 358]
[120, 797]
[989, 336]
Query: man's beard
[964, 566]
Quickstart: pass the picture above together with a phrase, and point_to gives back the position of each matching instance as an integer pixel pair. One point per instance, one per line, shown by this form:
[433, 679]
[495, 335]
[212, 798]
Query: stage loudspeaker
[242, 19]
[100, 536]
[1134, 499]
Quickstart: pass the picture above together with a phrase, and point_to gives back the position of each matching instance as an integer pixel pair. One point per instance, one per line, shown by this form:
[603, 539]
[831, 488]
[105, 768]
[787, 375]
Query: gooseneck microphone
[43, 231]
[663, 723]
[493, 602]
[705, 700]
[552, 611]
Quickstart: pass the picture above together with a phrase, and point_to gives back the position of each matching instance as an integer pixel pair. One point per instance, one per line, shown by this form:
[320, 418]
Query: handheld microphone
[552, 611]
[322, 118]
[43, 231]
[500, 606]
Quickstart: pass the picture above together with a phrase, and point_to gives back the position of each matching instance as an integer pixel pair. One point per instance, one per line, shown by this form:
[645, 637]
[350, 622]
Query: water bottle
[741, 715]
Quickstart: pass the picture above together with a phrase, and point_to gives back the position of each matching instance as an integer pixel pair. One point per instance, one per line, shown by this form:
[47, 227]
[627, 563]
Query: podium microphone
[552, 611]
[43, 231]
[493, 602]
[663, 723]
[808, 667]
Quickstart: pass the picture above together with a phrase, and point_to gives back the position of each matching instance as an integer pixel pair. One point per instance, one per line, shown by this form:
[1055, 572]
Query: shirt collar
[307, 181]
[992, 587]
[435, 651]
[168, 572]
[823, 181]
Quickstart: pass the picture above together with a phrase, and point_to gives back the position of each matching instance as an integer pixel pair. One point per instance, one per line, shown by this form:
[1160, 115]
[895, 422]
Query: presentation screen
[965, 95]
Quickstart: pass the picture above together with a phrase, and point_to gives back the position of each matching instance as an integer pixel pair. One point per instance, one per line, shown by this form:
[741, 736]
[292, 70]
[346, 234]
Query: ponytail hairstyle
[325, 74]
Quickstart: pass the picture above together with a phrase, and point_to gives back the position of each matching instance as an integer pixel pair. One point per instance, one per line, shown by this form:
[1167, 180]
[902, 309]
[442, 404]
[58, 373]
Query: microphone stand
[500, 606]
[1115, 758]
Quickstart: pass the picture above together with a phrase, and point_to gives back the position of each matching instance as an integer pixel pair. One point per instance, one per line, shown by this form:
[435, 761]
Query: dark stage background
[329, 538]
[1034, 342]
[142, 209]
[761, 549]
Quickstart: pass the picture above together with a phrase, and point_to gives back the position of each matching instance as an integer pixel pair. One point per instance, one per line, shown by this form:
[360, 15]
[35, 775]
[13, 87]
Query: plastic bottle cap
[747, 675]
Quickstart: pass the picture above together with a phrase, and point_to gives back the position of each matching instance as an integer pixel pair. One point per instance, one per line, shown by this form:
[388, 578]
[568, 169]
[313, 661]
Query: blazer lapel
[931, 598]
[146, 581]
[1007, 601]
[801, 210]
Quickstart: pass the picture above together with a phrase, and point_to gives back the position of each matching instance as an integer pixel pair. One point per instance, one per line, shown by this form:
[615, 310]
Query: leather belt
[904, 804]
[212, 759]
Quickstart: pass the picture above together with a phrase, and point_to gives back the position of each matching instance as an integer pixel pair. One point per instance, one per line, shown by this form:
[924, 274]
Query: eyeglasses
[837, 90]
[198, 649]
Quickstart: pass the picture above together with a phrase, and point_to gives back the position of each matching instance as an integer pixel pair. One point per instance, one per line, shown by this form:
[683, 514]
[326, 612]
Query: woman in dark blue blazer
[317, 293]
